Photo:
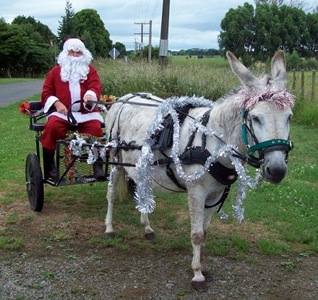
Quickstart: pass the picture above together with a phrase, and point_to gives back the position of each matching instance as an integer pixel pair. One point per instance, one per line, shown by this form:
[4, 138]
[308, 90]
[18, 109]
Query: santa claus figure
[73, 79]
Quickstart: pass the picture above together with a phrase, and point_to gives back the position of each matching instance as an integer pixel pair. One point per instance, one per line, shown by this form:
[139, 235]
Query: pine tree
[66, 28]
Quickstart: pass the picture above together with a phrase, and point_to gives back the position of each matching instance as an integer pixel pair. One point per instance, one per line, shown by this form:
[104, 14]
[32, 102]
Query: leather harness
[192, 154]
[163, 140]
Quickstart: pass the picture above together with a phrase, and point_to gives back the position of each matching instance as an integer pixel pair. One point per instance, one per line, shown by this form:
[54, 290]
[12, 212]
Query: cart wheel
[34, 182]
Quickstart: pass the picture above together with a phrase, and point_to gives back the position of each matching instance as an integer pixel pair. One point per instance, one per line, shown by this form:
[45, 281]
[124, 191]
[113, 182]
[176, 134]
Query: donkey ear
[279, 69]
[244, 75]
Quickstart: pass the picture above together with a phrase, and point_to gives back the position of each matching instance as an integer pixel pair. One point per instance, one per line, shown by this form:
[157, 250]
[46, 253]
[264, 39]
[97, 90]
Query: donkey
[199, 146]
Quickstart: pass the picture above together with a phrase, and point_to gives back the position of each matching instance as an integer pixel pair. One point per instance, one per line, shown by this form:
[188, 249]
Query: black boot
[49, 164]
[99, 172]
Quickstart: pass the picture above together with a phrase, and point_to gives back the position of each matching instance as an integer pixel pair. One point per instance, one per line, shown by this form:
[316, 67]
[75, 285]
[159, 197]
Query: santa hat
[74, 44]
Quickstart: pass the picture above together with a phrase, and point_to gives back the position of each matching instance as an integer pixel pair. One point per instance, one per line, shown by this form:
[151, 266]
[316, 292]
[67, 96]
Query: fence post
[294, 81]
[313, 86]
[302, 84]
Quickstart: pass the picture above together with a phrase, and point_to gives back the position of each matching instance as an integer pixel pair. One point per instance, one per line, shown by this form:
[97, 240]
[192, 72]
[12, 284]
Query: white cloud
[193, 24]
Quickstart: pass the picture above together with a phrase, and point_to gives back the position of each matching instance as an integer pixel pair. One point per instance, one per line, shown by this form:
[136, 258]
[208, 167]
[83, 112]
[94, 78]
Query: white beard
[73, 69]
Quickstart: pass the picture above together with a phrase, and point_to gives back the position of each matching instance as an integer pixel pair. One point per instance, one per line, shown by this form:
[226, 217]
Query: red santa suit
[63, 87]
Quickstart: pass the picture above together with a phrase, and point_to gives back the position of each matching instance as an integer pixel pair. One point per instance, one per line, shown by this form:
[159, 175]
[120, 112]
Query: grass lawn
[279, 219]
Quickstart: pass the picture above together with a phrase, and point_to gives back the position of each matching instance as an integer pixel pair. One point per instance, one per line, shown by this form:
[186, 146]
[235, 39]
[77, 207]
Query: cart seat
[37, 116]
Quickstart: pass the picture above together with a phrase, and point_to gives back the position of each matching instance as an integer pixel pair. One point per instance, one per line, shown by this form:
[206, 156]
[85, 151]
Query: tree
[89, 42]
[66, 27]
[257, 35]
[267, 31]
[42, 45]
[90, 21]
[294, 30]
[14, 44]
[301, 4]
[312, 25]
[238, 31]
[40, 58]
[35, 29]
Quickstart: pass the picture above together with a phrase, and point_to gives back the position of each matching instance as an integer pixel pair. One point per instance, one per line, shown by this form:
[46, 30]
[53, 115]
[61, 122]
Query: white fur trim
[49, 102]
[90, 107]
[74, 44]
[91, 93]
[75, 90]
[81, 118]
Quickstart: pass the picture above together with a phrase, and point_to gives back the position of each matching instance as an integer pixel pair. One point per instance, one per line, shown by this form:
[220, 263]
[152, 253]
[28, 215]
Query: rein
[73, 121]
[251, 159]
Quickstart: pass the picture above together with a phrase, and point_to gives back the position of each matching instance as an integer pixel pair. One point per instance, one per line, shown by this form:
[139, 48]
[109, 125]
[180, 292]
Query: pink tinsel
[281, 99]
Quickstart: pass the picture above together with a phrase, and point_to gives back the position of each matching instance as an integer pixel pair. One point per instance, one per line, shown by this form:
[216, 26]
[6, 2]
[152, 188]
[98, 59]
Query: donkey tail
[125, 186]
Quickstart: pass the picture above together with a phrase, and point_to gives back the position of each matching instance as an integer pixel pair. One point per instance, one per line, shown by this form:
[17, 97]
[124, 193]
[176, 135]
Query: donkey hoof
[110, 235]
[150, 236]
[199, 286]
[208, 276]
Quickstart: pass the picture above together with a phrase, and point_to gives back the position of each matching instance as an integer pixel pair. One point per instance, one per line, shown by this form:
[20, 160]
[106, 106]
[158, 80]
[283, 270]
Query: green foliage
[35, 30]
[256, 34]
[90, 21]
[14, 44]
[206, 77]
[26, 47]
[66, 27]
[293, 60]
[89, 42]
[238, 31]
[312, 24]
[307, 114]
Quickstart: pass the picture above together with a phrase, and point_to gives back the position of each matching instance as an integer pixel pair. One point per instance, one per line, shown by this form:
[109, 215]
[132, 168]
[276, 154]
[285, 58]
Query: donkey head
[266, 107]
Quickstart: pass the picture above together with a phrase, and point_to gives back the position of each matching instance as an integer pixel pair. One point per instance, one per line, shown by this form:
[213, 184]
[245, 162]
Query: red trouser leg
[56, 129]
[92, 127]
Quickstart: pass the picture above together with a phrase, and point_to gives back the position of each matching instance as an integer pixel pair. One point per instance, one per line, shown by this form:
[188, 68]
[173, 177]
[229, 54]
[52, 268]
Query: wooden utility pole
[149, 44]
[163, 47]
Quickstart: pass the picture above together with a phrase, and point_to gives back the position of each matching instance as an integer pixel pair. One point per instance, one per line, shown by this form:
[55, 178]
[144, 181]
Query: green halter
[267, 146]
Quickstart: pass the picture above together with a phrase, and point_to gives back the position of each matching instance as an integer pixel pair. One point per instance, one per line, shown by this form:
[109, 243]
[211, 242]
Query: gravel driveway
[72, 267]
[95, 274]
[11, 93]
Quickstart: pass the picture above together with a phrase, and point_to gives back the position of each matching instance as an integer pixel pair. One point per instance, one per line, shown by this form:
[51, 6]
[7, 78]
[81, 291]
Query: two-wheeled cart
[71, 168]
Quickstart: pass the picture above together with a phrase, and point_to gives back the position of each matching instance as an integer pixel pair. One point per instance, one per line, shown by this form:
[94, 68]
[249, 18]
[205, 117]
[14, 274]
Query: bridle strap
[275, 144]
[263, 147]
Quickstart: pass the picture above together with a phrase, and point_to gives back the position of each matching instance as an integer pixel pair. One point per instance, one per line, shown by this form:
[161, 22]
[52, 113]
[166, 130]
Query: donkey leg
[111, 194]
[197, 240]
[198, 281]
[149, 232]
[206, 224]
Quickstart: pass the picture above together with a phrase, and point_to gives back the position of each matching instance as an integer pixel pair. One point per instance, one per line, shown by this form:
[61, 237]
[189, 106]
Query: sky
[192, 24]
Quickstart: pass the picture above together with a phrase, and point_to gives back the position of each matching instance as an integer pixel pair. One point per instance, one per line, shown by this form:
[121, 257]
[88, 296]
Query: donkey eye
[256, 120]
[290, 117]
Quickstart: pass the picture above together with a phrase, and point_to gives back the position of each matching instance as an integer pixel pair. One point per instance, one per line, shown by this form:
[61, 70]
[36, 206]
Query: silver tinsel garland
[144, 193]
[76, 145]
[145, 202]
[95, 150]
